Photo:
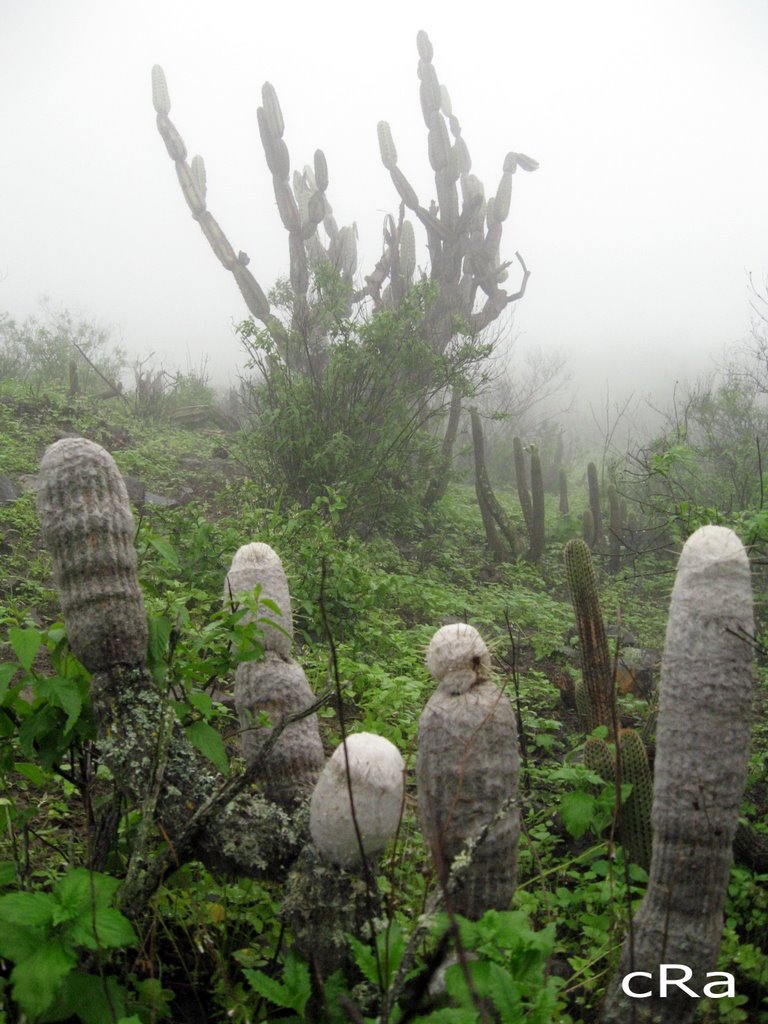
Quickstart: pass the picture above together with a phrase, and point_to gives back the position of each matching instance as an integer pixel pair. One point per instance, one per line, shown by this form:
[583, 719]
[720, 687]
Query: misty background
[641, 227]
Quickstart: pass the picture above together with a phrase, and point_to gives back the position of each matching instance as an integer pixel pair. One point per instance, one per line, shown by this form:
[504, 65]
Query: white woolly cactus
[702, 746]
[257, 565]
[467, 773]
[458, 658]
[278, 687]
[376, 779]
[275, 686]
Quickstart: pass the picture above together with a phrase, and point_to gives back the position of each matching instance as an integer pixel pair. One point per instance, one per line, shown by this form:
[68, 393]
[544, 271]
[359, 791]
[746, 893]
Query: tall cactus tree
[463, 230]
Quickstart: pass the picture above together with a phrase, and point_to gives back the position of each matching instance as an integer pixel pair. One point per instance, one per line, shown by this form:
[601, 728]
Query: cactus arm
[192, 182]
[492, 511]
[702, 746]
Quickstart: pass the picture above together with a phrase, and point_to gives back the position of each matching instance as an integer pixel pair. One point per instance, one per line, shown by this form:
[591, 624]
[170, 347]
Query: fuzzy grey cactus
[702, 744]
[87, 524]
[274, 686]
[467, 773]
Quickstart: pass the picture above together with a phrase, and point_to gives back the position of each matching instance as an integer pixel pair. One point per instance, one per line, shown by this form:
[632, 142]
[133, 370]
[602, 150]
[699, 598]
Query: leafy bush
[356, 420]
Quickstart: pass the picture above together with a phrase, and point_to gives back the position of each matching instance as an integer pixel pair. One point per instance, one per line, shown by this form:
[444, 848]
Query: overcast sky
[649, 209]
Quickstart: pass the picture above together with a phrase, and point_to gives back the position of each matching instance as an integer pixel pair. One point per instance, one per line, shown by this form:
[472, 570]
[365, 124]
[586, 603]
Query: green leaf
[31, 909]
[61, 693]
[89, 997]
[37, 978]
[297, 981]
[269, 989]
[7, 672]
[576, 810]
[159, 629]
[166, 551]
[26, 643]
[33, 772]
[210, 744]
[19, 942]
[106, 928]
[7, 872]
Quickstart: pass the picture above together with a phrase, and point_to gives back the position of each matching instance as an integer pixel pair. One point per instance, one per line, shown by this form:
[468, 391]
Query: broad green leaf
[159, 629]
[31, 909]
[106, 928]
[297, 981]
[270, 989]
[576, 810]
[202, 702]
[26, 643]
[61, 693]
[7, 672]
[89, 997]
[18, 942]
[210, 744]
[7, 872]
[33, 772]
[37, 979]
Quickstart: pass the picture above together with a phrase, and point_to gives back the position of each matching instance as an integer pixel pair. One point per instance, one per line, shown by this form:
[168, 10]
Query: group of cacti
[320, 820]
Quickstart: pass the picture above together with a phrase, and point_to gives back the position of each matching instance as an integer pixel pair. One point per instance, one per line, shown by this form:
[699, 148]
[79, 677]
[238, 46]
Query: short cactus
[275, 686]
[376, 778]
[596, 668]
[702, 744]
[467, 774]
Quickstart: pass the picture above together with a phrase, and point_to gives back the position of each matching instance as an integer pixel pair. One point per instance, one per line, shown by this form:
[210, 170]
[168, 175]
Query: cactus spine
[702, 744]
[595, 660]
[467, 774]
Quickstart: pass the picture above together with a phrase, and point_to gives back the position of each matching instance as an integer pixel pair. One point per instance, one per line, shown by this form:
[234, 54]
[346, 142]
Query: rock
[8, 492]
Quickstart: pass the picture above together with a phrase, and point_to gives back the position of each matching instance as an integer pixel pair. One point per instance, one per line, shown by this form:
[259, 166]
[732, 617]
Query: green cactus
[635, 817]
[562, 484]
[536, 534]
[467, 772]
[521, 480]
[617, 519]
[635, 814]
[702, 746]
[597, 672]
[593, 486]
[493, 514]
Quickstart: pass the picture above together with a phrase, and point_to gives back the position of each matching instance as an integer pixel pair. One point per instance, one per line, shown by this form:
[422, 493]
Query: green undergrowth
[215, 950]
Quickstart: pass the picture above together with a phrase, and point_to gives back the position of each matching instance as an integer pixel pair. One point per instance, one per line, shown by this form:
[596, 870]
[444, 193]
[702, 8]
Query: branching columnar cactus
[275, 686]
[87, 525]
[562, 483]
[493, 514]
[596, 669]
[467, 773]
[702, 745]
